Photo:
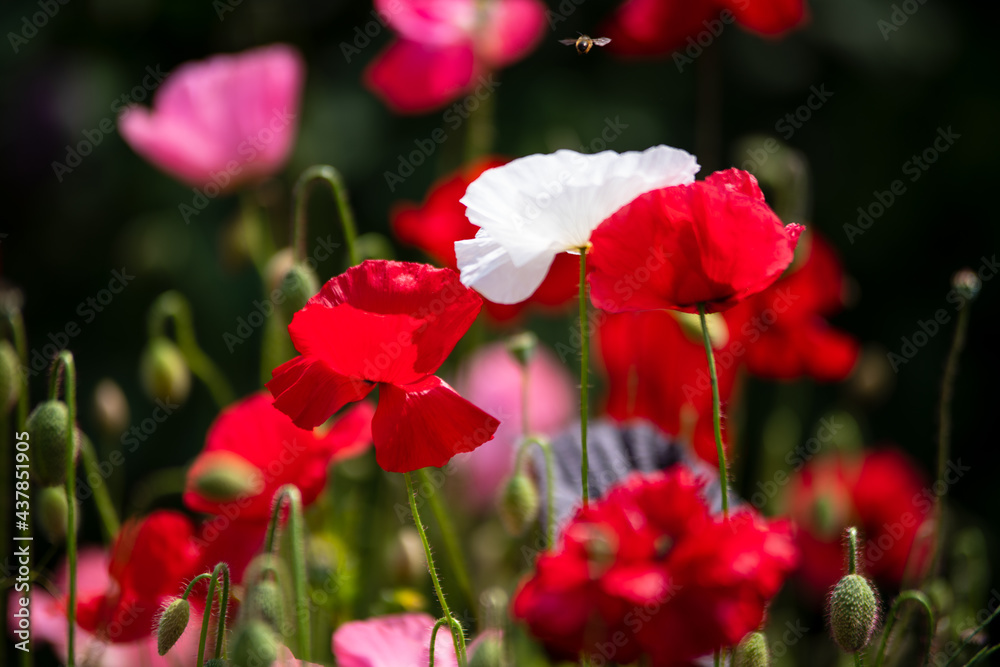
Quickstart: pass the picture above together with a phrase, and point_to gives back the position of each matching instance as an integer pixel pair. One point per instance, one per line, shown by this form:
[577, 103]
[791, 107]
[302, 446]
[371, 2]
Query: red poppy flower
[254, 439]
[880, 492]
[657, 27]
[391, 325]
[440, 221]
[657, 372]
[714, 242]
[784, 329]
[648, 571]
[151, 559]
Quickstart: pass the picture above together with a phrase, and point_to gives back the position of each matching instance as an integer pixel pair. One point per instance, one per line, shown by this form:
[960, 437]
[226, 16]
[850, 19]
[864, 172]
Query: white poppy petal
[486, 266]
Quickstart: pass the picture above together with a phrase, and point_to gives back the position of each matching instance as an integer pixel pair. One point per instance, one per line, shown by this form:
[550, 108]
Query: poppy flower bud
[373, 245]
[215, 662]
[489, 653]
[48, 424]
[172, 623]
[522, 347]
[519, 504]
[718, 330]
[967, 283]
[10, 382]
[223, 476]
[298, 285]
[321, 559]
[53, 513]
[265, 602]
[752, 651]
[255, 644]
[164, 371]
[406, 559]
[853, 613]
[110, 407]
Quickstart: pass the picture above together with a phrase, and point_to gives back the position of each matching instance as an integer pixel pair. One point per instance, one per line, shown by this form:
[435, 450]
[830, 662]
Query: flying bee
[584, 43]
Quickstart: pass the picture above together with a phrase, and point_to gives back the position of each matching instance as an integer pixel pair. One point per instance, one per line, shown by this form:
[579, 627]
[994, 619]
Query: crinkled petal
[487, 268]
[425, 424]
[309, 391]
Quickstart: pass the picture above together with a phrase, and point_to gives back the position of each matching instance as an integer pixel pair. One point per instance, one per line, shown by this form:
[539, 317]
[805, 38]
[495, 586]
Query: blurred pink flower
[448, 47]
[397, 640]
[227, 120]
[49, 623]
[491, 379]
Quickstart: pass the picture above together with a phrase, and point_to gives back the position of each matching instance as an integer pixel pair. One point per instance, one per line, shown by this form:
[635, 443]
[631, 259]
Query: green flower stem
[584, 380]
[985, 652]
[291, 494]
[173, 305]
[220, 637]
[205, 620]
[190, 586]
[944, 427]
[852, 546]
[717, 658]
[716, 412]
[451, 545]
[102, 499]
[65, 365]
[970, 637]
[924, 603]
[458, 634]
[858, 660]
[550, 520]
[300, 195]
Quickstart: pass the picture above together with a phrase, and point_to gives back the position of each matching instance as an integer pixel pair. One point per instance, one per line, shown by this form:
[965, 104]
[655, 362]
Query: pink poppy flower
[492, 380]
[224, 121]
[397, 640]
[447, 47]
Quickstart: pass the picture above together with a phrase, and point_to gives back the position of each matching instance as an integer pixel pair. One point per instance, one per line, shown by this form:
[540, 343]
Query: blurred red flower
[648, 571]
[151, 559]
[784, 328]
[657, 372]
[224, 121]
[440, 221]
[880, 492]
[391, 325]
[714, 242]
[657, 27]
[252, 439]
[447, 48]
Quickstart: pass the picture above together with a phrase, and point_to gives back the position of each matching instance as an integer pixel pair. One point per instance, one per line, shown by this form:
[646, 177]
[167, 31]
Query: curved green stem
[102, 499]
[206, 619]
[437, 626]
[459, 636]
[190, 586]
[65, 364]
[173, 305]
[330, 176]
[584, 381]
[550, 521]
[451, 545]
[291, 494]
[944, 428]
[852, 546]
[970, 637]
[924, 603]
[716, 412]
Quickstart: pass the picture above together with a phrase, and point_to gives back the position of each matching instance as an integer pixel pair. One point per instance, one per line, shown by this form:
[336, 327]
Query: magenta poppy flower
[224, 121]
[446, 47]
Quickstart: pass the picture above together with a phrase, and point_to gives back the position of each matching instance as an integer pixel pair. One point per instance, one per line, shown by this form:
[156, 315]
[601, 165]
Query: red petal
[426, 424]
[309, 392]
[655, 27]
[412, 77]
[772, 17]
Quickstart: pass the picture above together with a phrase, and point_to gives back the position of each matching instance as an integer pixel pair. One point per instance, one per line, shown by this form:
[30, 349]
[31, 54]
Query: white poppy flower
[531, 209]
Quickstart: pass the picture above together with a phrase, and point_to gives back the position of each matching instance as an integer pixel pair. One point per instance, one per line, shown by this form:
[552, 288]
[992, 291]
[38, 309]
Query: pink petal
[437, 22]
[511, 30]
[398, 640]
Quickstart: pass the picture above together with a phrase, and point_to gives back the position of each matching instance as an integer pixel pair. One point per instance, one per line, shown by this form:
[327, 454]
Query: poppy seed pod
[752, 651]
[10, 383]
[853, 613]
[164, 371]
[172, 623]
[53, 513]
[48, 424]
[255, 644]
[518, 507]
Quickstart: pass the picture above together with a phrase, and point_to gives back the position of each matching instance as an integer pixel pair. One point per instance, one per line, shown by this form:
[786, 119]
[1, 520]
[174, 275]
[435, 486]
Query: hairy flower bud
[265, 602]
[110, 407]
[853, 613]
[172, 623]
[215, 662]
[254, 644]
[298, 285]
[48, 425]
[53, 513]
[518, 504]
[164, 371]
[752, 651]
[489, 653]
[223, 476]
[10, 379]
